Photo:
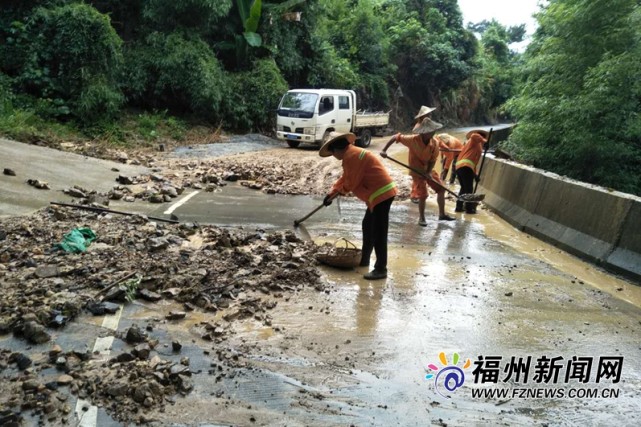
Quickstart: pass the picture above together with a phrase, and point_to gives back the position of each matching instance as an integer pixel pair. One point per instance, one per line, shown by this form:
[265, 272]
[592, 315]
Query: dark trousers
[466, 181]
[375, 227]
[453, 172]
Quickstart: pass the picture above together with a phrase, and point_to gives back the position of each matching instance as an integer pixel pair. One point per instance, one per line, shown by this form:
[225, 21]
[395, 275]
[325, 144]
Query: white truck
[309, 115]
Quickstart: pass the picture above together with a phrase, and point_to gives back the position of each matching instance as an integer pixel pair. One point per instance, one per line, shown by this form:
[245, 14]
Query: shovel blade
[471, 197]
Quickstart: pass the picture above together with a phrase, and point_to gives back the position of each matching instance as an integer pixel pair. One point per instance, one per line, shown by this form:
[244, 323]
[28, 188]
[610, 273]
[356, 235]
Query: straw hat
[445, 138]
[424, 111]
[426, 125]
[333, 137]
[481, 132]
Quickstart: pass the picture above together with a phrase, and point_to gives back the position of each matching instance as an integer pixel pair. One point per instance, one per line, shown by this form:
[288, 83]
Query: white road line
[180, 202]
[89, 418]
[111, 322]
[103, 345]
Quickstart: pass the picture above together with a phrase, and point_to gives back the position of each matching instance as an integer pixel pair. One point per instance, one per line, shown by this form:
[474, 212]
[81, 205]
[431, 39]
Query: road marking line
[180, 202]
[103, 345]
[111, 322]
[89, 418]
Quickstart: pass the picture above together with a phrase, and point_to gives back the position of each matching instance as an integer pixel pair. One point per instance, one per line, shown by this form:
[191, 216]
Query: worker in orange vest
[449, 156]
[416, 190]
[466, 166]
[364, 175]
[423, 154]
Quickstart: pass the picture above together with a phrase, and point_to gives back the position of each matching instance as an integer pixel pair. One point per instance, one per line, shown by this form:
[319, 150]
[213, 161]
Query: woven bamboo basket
[345, 256]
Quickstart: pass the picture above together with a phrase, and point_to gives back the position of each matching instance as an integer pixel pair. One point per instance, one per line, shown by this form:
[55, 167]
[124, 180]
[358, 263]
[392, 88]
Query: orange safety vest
[420, 154]
[454, 144]
[471, 154]
[365, 175]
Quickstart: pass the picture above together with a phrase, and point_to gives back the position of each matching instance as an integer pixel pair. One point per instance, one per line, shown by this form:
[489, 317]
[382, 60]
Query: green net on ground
[76, 240]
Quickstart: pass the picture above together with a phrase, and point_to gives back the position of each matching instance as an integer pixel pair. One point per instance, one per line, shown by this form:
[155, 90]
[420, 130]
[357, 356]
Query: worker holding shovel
[424, 152]
[365, 176]
[466, 167]
[449, 156]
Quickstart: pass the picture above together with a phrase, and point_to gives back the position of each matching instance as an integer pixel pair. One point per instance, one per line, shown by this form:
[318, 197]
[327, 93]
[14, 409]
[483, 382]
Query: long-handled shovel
[487, 146]
[463, 197]
[298, 221]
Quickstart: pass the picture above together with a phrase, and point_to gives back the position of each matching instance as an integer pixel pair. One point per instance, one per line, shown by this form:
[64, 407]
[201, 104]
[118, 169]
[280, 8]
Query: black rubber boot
[376, 275]
[470, 207]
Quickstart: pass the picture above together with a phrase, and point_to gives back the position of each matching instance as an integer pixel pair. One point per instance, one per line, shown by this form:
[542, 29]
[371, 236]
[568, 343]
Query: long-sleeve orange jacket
[365, 175]
[471, 153]
[421, 156]
[454, 144]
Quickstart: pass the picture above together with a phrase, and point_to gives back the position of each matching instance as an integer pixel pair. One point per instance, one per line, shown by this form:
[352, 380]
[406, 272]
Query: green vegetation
[130, 287]
[226, 63]
[580, 103]
[141, 71]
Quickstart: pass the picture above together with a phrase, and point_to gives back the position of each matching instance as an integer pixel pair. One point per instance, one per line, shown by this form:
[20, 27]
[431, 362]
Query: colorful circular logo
[450, 377]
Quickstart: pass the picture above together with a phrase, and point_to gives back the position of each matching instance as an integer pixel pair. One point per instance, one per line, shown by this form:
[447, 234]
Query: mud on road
[204, 269]
[191, 325]
[279, 170]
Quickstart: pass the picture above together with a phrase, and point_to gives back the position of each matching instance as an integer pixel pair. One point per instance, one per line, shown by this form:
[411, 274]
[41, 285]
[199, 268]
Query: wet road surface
[363, 350]
[234, 145]
[61, 170]
[359, 354]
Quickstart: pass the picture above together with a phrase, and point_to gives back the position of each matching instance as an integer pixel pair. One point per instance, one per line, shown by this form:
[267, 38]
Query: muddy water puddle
[359, 354]
[582, 272]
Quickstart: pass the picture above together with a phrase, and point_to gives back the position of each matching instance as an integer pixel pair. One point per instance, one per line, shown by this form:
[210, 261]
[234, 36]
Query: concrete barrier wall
[625, 256]
[589, 221]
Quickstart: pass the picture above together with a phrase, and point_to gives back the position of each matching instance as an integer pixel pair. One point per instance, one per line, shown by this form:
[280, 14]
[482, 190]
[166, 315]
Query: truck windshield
[298, 104]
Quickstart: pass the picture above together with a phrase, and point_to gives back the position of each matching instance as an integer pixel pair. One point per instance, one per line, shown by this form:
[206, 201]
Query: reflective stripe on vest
[382, 190]
[362, 155]
[468, 161]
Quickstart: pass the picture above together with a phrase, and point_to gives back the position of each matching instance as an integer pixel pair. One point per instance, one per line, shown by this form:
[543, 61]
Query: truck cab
[309, 115]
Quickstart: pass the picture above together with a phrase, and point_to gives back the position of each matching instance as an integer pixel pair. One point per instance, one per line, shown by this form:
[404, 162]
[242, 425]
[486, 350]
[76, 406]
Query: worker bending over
[466, 166]
[449, 156]
[364, 175]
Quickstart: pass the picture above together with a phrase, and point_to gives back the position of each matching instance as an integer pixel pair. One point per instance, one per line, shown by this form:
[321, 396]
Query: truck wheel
[293, 144]
[326, 137]
[366, 138]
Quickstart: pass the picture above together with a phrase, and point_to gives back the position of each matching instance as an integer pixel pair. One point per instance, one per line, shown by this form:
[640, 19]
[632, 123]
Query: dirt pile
[274, 171]
[242, 274]
[280, 171]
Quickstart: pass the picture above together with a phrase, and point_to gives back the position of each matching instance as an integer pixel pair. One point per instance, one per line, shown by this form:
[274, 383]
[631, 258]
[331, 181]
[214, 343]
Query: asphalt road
[61, 170]
[475, 287]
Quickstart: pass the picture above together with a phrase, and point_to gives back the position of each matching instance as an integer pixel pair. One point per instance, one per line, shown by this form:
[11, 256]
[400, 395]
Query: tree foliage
[171, 71]
[254, 97]
[579, 107]
[195, 15]
[70, 61]
[293, 44]
[196, 58]
[429, 47]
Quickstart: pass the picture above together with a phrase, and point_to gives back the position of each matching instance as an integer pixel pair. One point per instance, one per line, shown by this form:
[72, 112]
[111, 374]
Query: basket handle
[346, 242]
